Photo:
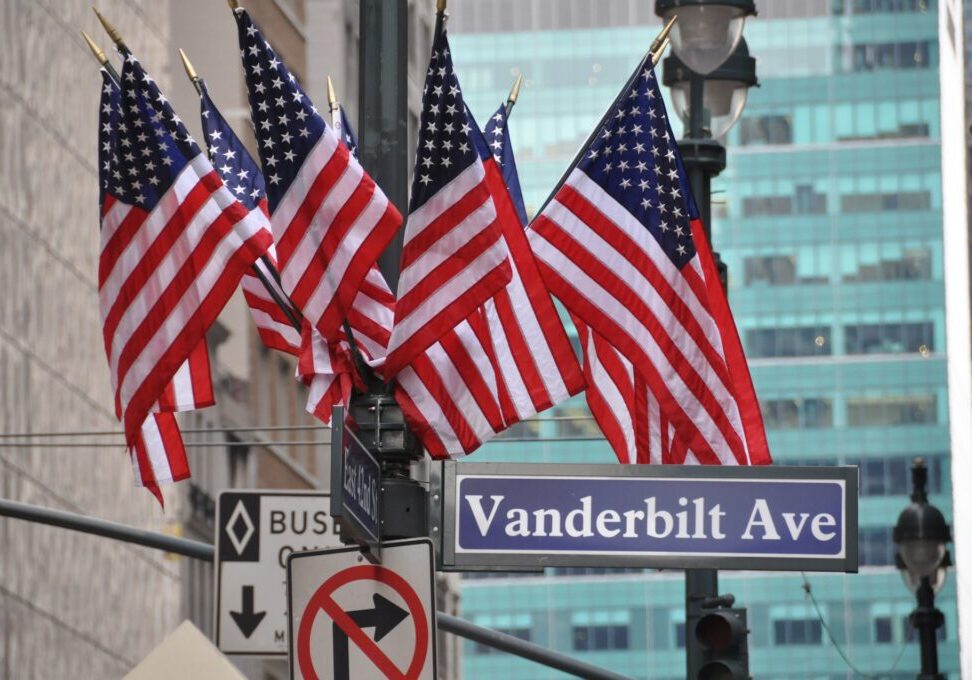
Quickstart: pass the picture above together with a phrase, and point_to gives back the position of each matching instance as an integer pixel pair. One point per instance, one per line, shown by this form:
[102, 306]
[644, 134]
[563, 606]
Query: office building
[830, 218]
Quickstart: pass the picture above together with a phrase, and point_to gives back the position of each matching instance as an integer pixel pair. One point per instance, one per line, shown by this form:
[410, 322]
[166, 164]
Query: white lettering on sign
[361, 484]
[694, 521]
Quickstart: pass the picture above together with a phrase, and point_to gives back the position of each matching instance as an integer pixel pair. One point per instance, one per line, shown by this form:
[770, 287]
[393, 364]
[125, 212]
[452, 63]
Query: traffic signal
[722, 637]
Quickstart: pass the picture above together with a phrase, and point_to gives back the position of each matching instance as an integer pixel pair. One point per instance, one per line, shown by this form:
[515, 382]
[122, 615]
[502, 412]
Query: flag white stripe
[445, 198]
[288, 206]
[632, 326]
[167, 268]
[456, 386]
[335, 270]
[649, 247]
[155, 449]
[188, 305]
[432, 305]
[643, 288]
[604, 384]
[416, 390]
[507, 363]
[134, 253]
[445, 247]
[314, 231]
[113, 219]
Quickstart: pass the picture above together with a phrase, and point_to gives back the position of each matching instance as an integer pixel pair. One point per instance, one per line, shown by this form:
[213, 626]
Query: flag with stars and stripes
[535, 359]
[497, 134]
[453, 257]
[241, 175]
[174, 245]
[622, 246]
[341, 124]
[330, 221]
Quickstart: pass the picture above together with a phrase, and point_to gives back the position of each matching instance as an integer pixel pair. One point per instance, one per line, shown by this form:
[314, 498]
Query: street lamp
[709, 75]
[707, 31]
[920, 536]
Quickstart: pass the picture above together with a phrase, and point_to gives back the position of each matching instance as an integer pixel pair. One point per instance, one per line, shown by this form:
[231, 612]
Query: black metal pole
[383, 109]
[927, 619]
[382, 149]
[206, 552]
[703, 158]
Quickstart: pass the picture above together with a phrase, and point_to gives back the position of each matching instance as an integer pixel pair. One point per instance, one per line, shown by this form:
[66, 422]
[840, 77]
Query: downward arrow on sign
[247, 620]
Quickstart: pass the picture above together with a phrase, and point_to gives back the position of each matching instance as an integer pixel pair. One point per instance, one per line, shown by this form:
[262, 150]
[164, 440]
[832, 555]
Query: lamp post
[920, 536]
[709, 73]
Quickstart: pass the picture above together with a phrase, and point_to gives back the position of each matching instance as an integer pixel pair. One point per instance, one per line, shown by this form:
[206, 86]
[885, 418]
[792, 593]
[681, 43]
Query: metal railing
[207, 553]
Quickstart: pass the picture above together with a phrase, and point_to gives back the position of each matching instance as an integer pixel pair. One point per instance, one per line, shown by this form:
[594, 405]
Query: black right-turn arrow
[383, 617]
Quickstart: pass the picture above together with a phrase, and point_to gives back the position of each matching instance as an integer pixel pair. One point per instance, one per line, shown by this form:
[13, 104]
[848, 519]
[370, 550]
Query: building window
[776, 270]
[600, 630]
[880, 56]
[754, 206]
[918, 409]
[797, 632]
[600, 638]
[680, 636]
[766, 130]
[913, 265]
[801, 341]
[883, 632]
[793, 414]
[891, 476]
[876, 546]
[889, 338]
[904, 200]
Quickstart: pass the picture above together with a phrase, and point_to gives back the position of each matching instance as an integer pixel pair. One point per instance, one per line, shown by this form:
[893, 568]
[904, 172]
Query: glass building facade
[829, 218]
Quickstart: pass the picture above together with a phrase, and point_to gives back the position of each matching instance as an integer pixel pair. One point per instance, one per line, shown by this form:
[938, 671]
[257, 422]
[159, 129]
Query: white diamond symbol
[239, 542]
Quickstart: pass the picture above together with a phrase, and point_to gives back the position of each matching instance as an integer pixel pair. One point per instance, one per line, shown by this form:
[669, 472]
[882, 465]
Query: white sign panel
[354, 619]
[256, 533]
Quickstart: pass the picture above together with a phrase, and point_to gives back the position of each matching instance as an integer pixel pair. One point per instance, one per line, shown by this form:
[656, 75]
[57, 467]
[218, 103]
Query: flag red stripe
[203, 317]
[608, 327]
[448, 220]
[448, 317]
[467, 368]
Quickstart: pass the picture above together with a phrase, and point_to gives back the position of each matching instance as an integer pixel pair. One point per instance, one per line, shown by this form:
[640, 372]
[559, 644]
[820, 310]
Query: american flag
[329, 219]
[241, 175]
[497, 134]
[454, 257]
[174, 245]
[622, 246]
[534, 355]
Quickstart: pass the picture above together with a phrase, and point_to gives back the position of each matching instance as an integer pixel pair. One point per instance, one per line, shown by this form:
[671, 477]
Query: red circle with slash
[323, 600]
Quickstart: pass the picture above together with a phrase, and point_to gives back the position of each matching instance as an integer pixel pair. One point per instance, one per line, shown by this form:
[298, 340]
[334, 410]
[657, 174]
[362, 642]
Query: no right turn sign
[353, 619]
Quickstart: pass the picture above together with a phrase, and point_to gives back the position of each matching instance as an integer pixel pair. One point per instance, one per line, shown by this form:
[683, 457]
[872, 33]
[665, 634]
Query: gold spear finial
[660, 38]
[332, 100]
[111, 30]
[95, 50]
[657, 54]
[187, 65]
[515, 90]
[233, 4]
[440, 6]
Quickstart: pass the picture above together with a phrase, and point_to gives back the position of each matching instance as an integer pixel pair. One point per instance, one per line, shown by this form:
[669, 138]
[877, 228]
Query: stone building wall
[71, 605]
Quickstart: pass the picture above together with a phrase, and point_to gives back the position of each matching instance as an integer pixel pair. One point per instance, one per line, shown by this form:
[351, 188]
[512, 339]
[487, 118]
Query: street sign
[354, 619]
[355, 487]
[663, 516]
[255, 533]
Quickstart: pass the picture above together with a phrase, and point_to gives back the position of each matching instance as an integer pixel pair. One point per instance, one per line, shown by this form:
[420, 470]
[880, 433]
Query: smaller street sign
[255, 533]
[354, 619]
[662, 516]
[355, 488]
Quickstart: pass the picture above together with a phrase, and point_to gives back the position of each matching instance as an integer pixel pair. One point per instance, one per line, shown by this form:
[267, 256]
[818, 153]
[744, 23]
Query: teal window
[797, 632]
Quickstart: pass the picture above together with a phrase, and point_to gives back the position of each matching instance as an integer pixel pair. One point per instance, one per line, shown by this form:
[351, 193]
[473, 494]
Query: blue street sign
[355, 487]
[502, 515]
